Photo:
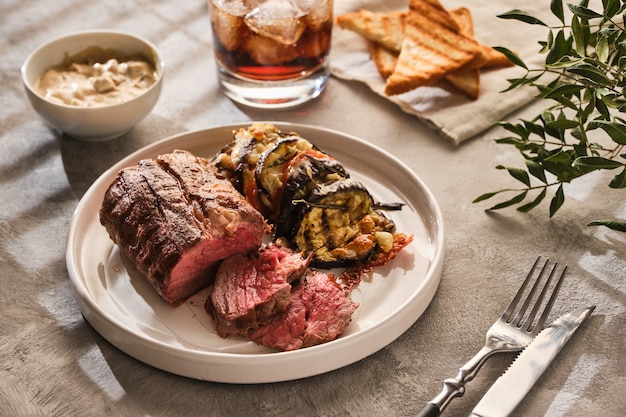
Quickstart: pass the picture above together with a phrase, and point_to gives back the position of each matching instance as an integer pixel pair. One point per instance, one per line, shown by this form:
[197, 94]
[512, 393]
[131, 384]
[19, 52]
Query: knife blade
[510, 388]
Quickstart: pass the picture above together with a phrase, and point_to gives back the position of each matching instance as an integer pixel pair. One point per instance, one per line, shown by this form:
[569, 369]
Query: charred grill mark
[328, 230]
[189, 197]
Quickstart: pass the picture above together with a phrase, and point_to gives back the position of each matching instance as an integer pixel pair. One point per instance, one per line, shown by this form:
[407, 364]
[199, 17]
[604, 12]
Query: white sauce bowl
[92, 123]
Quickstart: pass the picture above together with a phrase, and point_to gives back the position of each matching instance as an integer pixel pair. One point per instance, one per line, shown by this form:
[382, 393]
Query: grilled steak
[250, 290]
[176, 218]
[319, 312]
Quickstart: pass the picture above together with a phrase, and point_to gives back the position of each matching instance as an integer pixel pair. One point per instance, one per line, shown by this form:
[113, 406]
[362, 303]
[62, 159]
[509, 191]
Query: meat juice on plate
[271, 40]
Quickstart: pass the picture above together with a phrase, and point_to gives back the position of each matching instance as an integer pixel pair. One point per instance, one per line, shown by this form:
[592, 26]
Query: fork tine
[520, 314]
[548, 307]
[506, 315]
[527, 323]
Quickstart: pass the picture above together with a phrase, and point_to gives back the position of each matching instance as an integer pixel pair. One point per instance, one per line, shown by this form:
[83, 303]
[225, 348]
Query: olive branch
[584, 77]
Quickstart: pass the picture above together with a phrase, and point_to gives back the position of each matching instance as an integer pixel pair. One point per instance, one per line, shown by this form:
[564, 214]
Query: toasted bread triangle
[438, 46]
[465, 80]
[384, 58]
[430, 51]
[433, 10]
[383, 28]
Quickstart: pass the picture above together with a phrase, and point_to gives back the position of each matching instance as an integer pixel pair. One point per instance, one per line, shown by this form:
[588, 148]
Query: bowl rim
[159, 64]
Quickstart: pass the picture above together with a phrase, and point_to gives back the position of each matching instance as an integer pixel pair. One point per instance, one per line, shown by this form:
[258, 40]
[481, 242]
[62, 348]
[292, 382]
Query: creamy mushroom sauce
[95, 78]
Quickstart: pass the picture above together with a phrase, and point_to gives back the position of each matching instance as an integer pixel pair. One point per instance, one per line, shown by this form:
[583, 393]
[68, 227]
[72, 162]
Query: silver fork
[512, 332]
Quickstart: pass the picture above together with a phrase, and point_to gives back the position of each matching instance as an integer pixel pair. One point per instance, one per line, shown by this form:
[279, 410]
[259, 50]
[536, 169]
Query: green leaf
[545, 46]
[557, 200]
[547, 116]
[566, 61]
[512, 56]
[611, 224]
[619, 181]
[595, 163]
[562, 124]
[536, 170]
[515, 129]
[579, 36]
[616, 131]
[590, 73]
[518, 198]
[559, 157]
[557, 9]
[511, 141]
[517, 173]
[559, 164]
[527, 207]
[602, 108]
[522, 16]
[534, 128]
[564, 90]
[611, 101]
[581, 147]
[487, 196]
[587, 110]
[560, 48]
[611, 7]
[583, 11]
[602, 48]
[566, 102]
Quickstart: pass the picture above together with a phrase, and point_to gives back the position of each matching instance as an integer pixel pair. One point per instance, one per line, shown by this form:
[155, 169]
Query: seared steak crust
[175, 217]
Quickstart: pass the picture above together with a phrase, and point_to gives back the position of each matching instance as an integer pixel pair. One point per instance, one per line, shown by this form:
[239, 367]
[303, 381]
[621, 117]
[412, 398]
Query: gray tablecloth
[54, 364]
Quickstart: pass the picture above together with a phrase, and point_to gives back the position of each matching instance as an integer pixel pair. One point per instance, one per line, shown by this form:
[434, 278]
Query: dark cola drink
[272, 53]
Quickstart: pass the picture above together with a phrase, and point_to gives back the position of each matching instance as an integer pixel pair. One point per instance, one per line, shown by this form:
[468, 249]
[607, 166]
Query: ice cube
[233, 7]
[228, 26]
[318, 12]
[266, 51]
[308, 6]
[278, 20]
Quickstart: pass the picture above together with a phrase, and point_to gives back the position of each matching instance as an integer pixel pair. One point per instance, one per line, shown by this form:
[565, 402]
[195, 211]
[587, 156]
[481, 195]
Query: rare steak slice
[319, 312]
[176, 218]
[249, 290]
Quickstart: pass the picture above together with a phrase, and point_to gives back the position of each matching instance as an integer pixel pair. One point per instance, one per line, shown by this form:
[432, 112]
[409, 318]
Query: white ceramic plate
[121, 305]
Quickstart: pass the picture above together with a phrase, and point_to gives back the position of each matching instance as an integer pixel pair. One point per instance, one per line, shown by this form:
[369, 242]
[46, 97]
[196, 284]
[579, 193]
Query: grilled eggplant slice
[272, 171]
[308, 170]
[237, 160]
[339, 225]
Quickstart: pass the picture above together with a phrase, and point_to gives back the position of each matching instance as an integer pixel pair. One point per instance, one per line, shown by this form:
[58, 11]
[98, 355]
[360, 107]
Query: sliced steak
[250, 290]
[319, 312]
[175, 218]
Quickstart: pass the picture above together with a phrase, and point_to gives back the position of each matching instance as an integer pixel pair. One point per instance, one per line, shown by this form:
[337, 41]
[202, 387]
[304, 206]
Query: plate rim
[104, 323]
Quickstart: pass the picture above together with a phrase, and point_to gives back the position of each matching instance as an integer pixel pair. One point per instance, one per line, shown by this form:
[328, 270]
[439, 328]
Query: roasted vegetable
[338, 223]
[308, 196]
[272, 171]
[237, 160]
[306, 172]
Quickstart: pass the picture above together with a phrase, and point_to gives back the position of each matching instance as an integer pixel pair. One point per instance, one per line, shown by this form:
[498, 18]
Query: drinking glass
[272, 53]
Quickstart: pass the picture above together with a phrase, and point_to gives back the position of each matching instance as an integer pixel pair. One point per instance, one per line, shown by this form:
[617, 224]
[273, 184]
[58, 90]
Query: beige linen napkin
[456, 117]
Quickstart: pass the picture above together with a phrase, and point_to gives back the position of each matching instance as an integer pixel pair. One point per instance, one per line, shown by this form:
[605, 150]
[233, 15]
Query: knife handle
[429, 410]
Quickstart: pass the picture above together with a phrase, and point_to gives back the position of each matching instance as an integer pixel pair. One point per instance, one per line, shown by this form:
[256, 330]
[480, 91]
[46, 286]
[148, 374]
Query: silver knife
[508, 390]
